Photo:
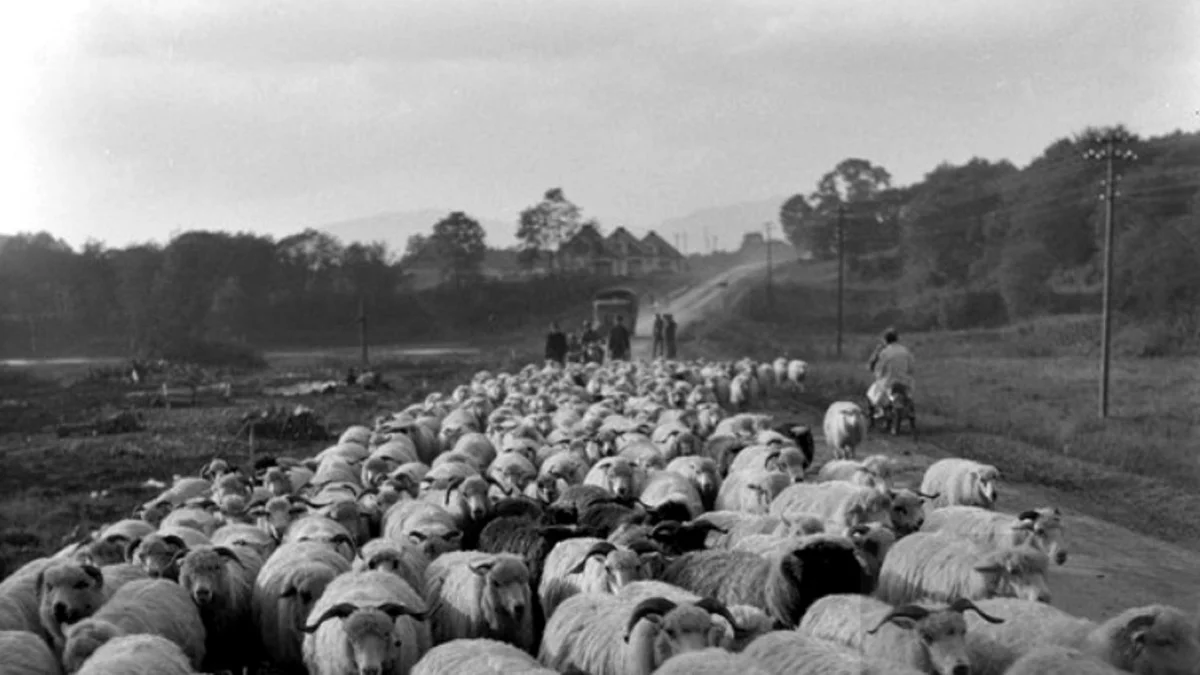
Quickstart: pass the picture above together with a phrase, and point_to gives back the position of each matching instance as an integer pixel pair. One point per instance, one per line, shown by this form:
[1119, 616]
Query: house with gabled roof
[618, 254]
[661, 256]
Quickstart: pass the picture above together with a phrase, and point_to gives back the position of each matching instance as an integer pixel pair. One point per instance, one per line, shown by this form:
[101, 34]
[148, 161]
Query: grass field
[50, 485]
[1023, 397]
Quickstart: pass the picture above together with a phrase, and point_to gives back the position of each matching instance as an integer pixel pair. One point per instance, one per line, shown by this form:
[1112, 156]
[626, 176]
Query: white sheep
[220, 580]
[710, 661]
[196, 517]
[1041, 528]
[402, 558]
[703, 474]
[789, 652]
[145, 606]
[881, 466]
[429, 526]
[585, 565]
[740, 392]
[1055, 660]
[943, 568]
[963, 482]
[510, 473]
[667, 486]
[241, 534]
[835, 501]
[565, 466]
[1147, 639]
[797, 371]
[138, 655]
[751, 491]
[475, 594]
[479, 656]
[19, 598]
[324, 530]
[618, 475]
[602, 634]
[27, 654]
[929, 639]
[845, 428]
[366, 622]
[786, 458]
[69, 592]
[287, 586]
[157, 553]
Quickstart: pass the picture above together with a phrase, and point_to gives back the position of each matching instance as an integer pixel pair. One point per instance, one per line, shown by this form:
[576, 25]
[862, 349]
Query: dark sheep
[722, 449]
[801, 435]
[782, 585]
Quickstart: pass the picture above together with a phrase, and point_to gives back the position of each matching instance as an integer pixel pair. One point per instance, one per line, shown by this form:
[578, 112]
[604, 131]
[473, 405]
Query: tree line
[988, 242]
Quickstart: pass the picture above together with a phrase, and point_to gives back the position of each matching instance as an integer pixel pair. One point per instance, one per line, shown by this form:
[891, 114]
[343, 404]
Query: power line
[1109, 152]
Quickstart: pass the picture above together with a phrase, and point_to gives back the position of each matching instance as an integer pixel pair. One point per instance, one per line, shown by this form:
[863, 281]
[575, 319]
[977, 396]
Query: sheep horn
[903, 612]
[174, 540]
[1028, 515]
[395, 610]
[131, 547]
[343, 538]
[922, 495]
[963, 604]
[338, 611]
[771, 457]
[453, 482]
[714, 606]
[648, 607]
[226, 552]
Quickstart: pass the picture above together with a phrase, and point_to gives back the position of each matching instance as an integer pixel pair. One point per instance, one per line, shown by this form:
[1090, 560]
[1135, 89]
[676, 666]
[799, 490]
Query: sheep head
[67, 593]
[157, 554]
[941, 633]
[786, 459]
[612, 568]
[505, 594]
[371, 635]
[1043, 529]
[84, 638]
[204, 573]
[1015, 572]
[1150, 639]
[985, 480]
[666, 628]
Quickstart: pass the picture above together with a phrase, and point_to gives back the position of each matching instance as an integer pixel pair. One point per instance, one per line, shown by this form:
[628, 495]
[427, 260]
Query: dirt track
[1109, 568]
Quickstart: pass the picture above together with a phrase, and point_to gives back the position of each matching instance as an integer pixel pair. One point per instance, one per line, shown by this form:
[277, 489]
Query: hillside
[728, 223]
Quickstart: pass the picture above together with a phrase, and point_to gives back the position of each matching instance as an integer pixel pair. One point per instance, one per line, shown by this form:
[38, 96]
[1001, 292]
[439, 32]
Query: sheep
[137, 655]
[145, 606]
[942, 568]
[69, 592]
[287, 586]
[1055, 660]
[19, 598]
[783, 585]
[788, 459]
[881, 466]
[429, 526]
[107, 547]
[196, 517]
[381, 626]
[787, 652]
[27, 654]
[733, 526]
[511, 472]
[476, 594]
[158, 552]
[404, 559]
[740, 393]
[1148, 639]
[479, 656]
[836, 501]
[741, 623]
[723, 449]
[1042, 528]
[602, 634]
[927, 639]
[476, 445]
[585, 565]
[703, 474]
[325, 530]
[618, 475]
[961, 482]
[220, 580]
[710, 661]
[250, 536]
[751, 491]
[845, 428]
[668, 486]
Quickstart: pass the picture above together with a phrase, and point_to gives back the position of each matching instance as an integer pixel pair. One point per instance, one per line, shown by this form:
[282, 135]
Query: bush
[1025, 268]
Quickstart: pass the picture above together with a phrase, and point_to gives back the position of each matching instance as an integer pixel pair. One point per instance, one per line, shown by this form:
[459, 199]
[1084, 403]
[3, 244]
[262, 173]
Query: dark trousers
[670, 349]
[659, 348]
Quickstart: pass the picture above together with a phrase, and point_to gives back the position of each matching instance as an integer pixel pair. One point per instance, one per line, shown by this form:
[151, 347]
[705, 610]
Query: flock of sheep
[615, 519]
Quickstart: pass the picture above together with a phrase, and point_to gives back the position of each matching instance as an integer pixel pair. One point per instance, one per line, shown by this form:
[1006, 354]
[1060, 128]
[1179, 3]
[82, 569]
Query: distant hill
[728, 223]
[395, 227]
[4, 239]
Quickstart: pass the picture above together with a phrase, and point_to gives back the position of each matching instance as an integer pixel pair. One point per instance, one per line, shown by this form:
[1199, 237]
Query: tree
[546, 226]
[414, 246]
[795, 216]
[460, 242]
[857, 186]
[1025, 267]
[230, 312]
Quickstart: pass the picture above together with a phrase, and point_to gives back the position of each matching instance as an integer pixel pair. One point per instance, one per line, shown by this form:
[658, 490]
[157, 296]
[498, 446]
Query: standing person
[669, 328]
[891, 363]
[556, 344]
[659, 349]
[618, 340]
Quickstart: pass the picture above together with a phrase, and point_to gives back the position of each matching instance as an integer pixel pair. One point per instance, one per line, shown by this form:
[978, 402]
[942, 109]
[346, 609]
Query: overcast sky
[132, 119]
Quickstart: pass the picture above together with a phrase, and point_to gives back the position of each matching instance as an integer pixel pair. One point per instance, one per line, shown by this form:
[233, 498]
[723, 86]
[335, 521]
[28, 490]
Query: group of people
[589, 343]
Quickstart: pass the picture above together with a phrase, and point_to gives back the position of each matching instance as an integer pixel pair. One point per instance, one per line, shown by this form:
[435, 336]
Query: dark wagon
[611, 302]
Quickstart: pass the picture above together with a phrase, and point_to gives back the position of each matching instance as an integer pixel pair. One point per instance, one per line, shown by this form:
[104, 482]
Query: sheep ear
[131, 548]
[226, 552]
[339, 611]
[95, 573]
[1137, 627]
[179, 555]
[483, 566]
[174, 540]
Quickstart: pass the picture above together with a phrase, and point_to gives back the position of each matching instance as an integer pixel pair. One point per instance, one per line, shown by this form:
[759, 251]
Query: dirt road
[1110, 568]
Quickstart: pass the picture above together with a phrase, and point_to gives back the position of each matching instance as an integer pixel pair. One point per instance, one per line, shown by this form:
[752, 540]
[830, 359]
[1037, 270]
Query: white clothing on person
[894, 364]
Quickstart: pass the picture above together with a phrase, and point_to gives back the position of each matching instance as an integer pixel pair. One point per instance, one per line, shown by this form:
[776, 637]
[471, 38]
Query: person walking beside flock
[618, 340]
[556, 344]
[669, 329]
[659, 348]
[891, 363]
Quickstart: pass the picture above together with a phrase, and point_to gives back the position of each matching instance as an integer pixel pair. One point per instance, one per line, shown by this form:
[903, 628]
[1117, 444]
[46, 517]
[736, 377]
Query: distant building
[619, 254]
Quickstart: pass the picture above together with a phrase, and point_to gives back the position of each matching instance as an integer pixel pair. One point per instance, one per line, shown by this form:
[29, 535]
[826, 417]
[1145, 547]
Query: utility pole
[1109, 153]
[707, 246]
[362, 329]
[770, 289]
[841, 252]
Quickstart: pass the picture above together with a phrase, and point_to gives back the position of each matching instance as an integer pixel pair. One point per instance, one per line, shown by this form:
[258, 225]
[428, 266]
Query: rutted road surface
[1110, 568]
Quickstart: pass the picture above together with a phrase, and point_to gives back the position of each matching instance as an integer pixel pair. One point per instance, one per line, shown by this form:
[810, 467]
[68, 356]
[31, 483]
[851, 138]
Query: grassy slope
[1023, 398]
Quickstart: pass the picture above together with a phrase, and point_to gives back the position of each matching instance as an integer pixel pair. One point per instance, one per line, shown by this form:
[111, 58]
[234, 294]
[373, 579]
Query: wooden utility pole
[841, 252]
[770, 289]
[1108, 152]
[362, 330]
